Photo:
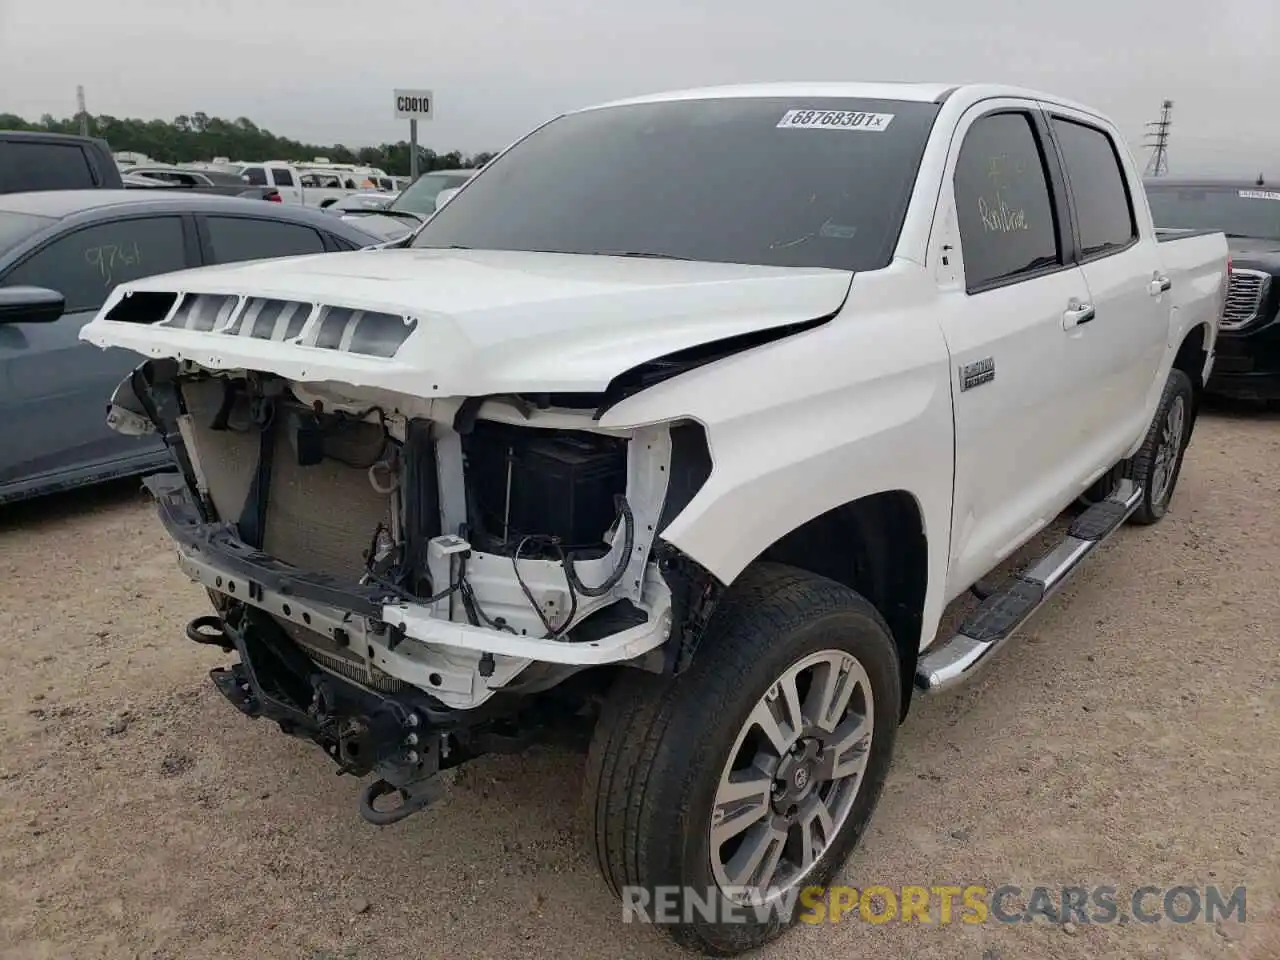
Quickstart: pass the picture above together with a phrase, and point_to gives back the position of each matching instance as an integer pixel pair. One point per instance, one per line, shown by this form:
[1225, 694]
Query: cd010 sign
[414, 104]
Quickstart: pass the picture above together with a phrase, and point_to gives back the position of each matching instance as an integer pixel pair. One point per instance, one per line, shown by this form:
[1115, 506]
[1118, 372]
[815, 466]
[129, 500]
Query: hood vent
[324, 327]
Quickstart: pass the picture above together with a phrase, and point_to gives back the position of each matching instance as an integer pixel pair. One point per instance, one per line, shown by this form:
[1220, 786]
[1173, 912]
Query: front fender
[798, 427]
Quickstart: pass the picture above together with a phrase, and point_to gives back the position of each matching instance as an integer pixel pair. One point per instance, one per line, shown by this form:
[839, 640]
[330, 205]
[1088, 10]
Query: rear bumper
[369, 627]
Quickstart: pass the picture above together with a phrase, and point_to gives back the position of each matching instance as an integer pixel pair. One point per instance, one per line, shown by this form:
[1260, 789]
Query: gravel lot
[1129, 738]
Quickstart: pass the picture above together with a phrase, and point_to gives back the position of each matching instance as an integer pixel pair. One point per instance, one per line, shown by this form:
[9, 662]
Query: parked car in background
[220, 182]
[323, 188]
[388, 224]
[420, 196]
[55, 161]
[131, 181]
[316, 185]
[413, 204]
[1248, 361]
[285, 178]
[61, 255]
[690, 456]
[361, 200]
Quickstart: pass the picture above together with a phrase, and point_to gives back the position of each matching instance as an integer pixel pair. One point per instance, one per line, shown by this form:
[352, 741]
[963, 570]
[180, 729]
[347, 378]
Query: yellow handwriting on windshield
[113, 259]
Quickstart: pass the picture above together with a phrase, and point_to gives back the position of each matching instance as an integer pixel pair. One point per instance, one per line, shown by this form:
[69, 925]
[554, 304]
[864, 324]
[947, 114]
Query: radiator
[320, 518]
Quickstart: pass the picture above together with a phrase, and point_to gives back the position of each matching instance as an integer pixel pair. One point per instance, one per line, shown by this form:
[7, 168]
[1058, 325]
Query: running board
[1005, 611]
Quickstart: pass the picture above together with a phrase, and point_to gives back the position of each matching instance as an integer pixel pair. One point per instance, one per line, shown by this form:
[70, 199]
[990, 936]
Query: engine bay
[546, 489]
[525, 525]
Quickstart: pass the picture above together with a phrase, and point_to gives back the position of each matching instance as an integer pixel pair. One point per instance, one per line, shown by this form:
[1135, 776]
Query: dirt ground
[1130, 737]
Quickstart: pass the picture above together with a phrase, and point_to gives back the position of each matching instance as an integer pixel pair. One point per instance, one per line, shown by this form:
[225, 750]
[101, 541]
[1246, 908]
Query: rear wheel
[1158, 464]
[752, 775]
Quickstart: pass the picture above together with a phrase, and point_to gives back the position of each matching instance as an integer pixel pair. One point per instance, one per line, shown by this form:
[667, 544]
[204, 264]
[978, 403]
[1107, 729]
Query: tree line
[198, 136]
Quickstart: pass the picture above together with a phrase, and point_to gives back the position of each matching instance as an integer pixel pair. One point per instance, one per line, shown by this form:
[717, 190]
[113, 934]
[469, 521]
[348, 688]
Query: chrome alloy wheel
[792, 777]
[1171, 433]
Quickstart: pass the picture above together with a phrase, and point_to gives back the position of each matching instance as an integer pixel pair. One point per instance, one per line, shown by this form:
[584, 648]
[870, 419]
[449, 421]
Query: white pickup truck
[318, 186]
[678, 428]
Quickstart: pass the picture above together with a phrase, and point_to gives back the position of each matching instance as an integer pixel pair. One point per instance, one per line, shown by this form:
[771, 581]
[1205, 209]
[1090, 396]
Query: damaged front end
[414, 582]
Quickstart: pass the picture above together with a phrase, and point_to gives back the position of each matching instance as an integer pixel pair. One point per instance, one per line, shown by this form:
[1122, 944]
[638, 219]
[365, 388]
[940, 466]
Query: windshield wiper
[383, 212]
[642, 254]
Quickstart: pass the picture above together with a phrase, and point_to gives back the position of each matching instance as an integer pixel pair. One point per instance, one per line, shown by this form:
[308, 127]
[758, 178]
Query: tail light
[274, 197]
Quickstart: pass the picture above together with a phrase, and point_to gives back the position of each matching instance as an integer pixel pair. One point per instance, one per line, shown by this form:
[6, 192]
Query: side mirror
[30, 305]
[444, 196]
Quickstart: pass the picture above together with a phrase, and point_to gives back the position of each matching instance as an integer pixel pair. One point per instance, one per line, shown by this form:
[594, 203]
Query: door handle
[1159, 285]
[1077, 313]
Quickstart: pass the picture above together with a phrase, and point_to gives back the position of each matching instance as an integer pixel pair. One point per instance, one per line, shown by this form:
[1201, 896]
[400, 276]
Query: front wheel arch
[877, 546]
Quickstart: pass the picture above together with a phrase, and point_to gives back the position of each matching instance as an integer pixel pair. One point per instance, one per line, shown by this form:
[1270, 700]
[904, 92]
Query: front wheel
[719, 796]
[1157, 465]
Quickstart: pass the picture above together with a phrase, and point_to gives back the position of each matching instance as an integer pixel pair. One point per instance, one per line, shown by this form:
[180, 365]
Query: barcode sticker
[834, 120]
[1260, 195]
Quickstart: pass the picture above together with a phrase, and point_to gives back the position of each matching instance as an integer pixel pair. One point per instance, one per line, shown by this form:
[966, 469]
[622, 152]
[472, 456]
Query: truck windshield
[16, 227]
[803, 182]
[1237, 211]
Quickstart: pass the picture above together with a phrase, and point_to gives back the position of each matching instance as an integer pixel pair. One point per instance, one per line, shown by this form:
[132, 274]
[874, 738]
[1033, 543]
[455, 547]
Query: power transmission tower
[1158, 141]
[81, 113]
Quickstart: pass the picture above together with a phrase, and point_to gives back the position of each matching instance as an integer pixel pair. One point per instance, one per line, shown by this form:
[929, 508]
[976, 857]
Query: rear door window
[87, 264]
[1104, 212]
[256, 176]
[1003, 204]
[282, 177]
[233, 239]
[44, 166]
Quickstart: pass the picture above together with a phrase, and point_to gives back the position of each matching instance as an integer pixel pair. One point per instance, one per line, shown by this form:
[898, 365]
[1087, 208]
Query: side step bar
[955, 661]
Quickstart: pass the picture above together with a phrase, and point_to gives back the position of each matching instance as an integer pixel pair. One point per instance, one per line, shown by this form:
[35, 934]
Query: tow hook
[413, 797]
[360, 731]
[413, 779]
[210, 630]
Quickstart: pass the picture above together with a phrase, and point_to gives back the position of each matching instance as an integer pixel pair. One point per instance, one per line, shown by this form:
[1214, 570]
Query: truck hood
[479, 322]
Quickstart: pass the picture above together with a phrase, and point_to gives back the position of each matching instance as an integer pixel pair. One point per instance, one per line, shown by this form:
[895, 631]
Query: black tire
[661, 743]
[1143, 468]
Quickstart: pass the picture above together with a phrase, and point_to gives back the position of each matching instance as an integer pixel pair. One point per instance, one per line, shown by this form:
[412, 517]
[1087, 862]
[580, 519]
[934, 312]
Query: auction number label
[1260, 195]
[834, 120]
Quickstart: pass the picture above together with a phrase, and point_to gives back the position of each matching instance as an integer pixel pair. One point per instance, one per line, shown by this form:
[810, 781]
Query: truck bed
[1167, 234]
[1195, 261]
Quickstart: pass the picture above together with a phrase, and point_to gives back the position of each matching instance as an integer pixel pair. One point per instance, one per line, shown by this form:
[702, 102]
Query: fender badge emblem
[977, 373]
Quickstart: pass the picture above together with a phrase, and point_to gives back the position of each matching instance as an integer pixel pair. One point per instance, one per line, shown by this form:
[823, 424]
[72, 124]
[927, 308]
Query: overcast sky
[323, 71]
